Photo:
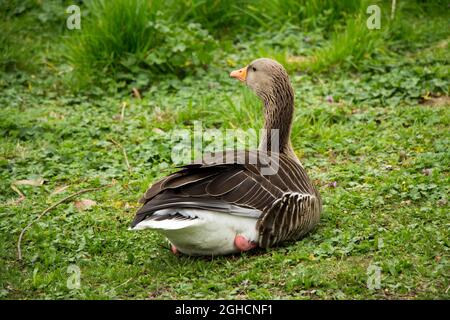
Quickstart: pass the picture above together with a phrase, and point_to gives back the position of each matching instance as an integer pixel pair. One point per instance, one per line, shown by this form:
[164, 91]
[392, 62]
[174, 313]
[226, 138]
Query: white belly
[211, 233]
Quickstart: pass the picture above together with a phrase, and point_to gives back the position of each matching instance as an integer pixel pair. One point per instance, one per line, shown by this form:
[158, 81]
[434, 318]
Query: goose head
[267, 78]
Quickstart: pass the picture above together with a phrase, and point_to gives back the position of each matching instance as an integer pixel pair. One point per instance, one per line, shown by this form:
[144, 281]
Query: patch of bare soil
[436, 101]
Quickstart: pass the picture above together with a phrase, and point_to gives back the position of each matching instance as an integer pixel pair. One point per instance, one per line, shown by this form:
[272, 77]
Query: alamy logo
[74, 279]
[74, 20]
[373, 277]
[374, 21]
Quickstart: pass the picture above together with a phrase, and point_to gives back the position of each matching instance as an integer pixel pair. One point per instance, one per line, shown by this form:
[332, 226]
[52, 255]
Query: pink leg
[173, 249]
[243, 244]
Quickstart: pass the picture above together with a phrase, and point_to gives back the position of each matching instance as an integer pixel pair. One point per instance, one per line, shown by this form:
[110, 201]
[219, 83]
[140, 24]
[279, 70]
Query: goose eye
[253, 68]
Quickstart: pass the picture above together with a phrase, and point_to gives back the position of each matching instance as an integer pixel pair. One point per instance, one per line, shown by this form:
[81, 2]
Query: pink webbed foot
[243, 244]
[174, 249]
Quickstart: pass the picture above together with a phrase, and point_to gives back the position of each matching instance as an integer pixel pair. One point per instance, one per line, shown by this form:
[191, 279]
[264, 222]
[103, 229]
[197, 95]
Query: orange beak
[240, 74]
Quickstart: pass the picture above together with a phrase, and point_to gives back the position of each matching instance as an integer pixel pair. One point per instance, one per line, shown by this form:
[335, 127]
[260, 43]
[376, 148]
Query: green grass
[132, 39]
[350, 46]
[224, 16]
[20, 48]
[142, 39]
[371, 130]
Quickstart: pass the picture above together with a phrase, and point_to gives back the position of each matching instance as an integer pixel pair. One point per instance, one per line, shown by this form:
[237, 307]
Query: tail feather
[166, 222]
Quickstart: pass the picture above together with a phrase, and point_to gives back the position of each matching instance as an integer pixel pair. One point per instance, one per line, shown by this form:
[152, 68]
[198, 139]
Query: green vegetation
[371, 127]
[130, 38]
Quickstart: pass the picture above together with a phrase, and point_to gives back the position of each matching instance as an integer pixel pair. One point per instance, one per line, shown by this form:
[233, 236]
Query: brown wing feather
[289, 203]
[225, 182]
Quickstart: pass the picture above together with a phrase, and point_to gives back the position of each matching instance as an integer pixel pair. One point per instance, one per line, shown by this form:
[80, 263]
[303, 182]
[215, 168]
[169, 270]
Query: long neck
[278, 114]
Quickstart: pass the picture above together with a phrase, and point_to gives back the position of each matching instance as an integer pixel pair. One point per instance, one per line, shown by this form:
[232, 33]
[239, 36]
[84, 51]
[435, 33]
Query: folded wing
[285, 202]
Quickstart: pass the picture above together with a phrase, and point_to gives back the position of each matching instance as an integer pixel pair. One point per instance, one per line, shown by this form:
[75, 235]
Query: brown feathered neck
[278, 113]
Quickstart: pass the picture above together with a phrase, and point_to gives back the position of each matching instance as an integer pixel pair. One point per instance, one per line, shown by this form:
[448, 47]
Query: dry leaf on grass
[128, 207]
[158, 131]
[58, 190]
[21, 196]
[84, 204]
[136, 93]
[30, 182]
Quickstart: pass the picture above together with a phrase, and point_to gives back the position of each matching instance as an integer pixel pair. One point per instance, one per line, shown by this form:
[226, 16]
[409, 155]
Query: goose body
[236, 200]
[201, 232]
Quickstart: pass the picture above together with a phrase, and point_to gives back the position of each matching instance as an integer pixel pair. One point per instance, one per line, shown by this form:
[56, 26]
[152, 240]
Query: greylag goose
[227, 202]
